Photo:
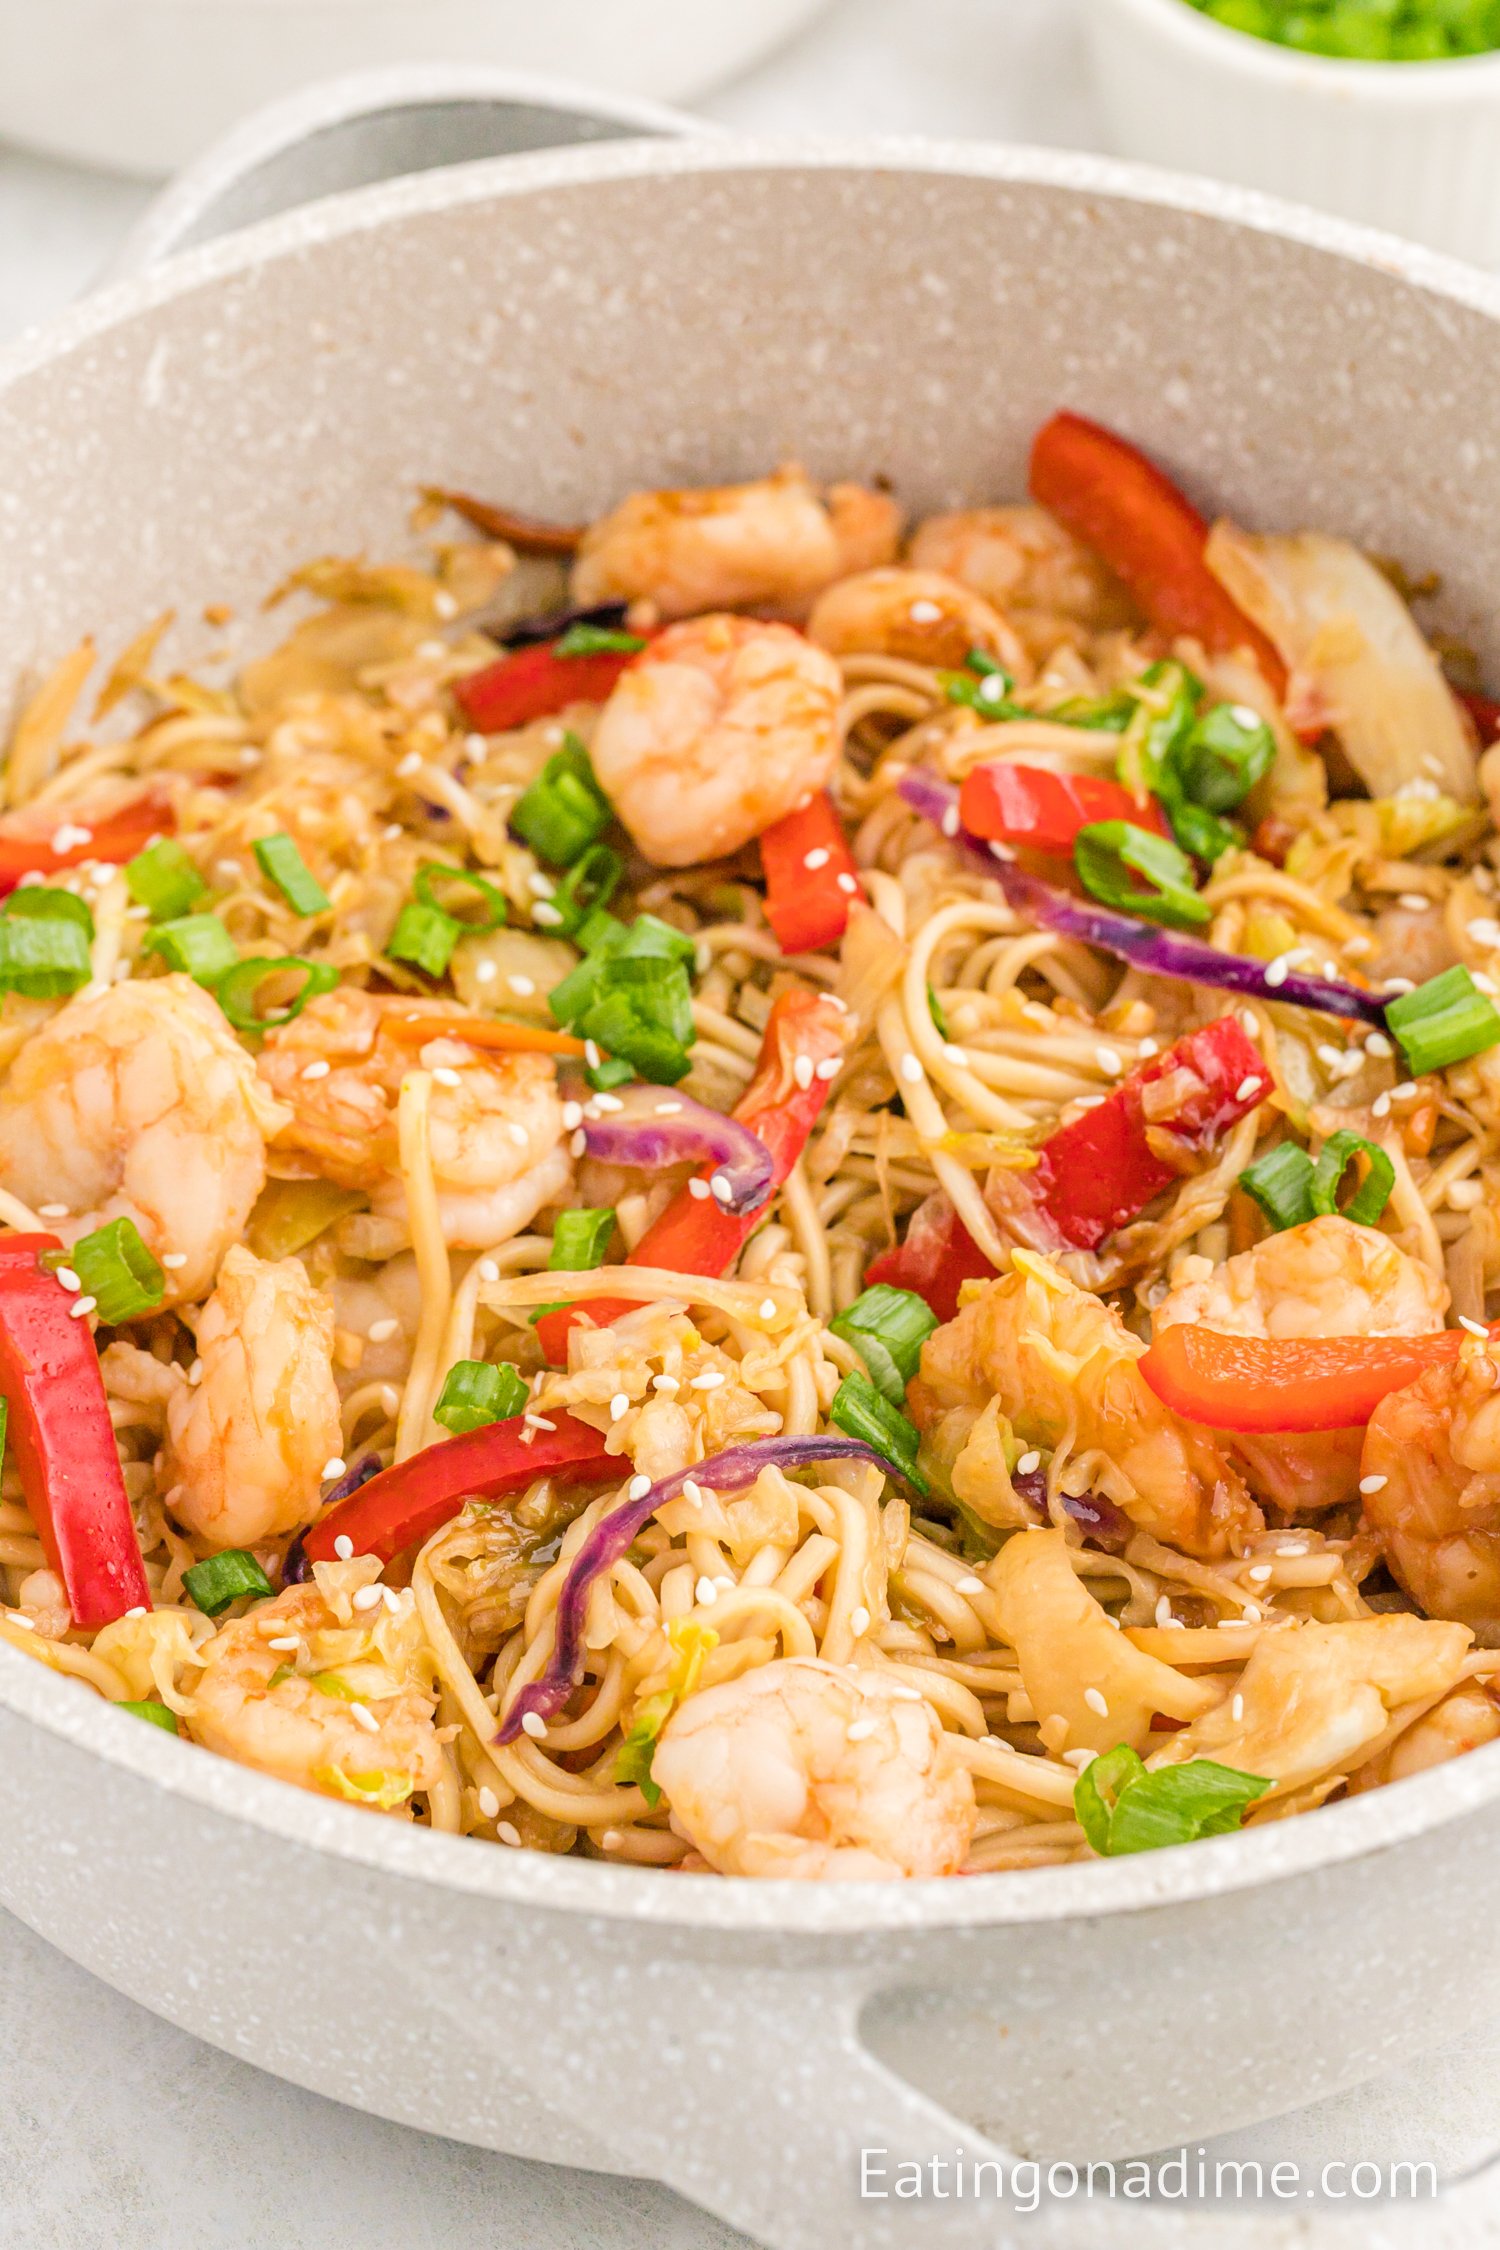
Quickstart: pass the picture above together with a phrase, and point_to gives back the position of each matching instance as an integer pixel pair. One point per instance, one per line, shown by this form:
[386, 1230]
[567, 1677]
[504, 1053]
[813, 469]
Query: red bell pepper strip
[535, 682]
[695, 1234]
[811, 878]
[26, 846]
[938, 1256]
[58, 1425]
[1100, 1172]
[1043, 811]
[1252, 1384]
[1484, 710]
[413, 1499]
[1109, 495]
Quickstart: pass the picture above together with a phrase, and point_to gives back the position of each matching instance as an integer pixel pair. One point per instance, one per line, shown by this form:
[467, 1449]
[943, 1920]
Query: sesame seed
[619, 1406]
[319, 1069]
[284, 1643]
[535, 1725]
[924, 612]
[1465, 1195]
[1474, 1327]
[818, 857]
[488, 1270]
[911, 1070]
[768, 1308]
[1399, 984]
[174, 1260]
[848, 884]
[52, 1210]
[1248, 1087]
[692, 1491]
[334, 1466]
[391, 835]
[547, 914]
[1483, 983]
[638, 1488]
[508, 1834]
[901, 1693]
[859, 1621]
[709, 1380]
[591, 1054]
[538, 1422]
[540, 885]
[950, 821]
[1250, 1614]
[969, 1586]
[138, 1610]
[1107, 1059]
[489, 1804]
[485, 972]
[829, 1068]
[706, 1593]
[518, 1132]
[364, 1717]
[522, 987]
[1260, 1571]
[579, 1144]
[667, 1384]
[1028, 1462]
[1277, 970]
[802, 1071]
[861, 1730]
[81, 1307]
[1164, 1610]
[69, 1279]
[1381, 1106]
[572, 1116]
[368, 1597]
[1079, 1759]
[1484, 930]
[392, 1600]
[667, 1109]
[1417, 902]
[1096, 1702]
[1237, 1709]
[698, 1190]
[410, 764]
[1001, 851]
[343, 1547]
[69, 837]
[195, 1372]
[720, 1188]
[443, 1076]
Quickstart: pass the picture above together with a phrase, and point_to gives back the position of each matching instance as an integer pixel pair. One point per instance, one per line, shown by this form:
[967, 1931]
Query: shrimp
[916, 614]
[1328, 1277]
[1024, 563]
[721, 727]
[1061, 1366]
[1463, 1721]
[772, 544]
[283, 1690]
[247, 1444]
[138, 1102]
[802, 1769]
[496, 1135]
[1430, 1474]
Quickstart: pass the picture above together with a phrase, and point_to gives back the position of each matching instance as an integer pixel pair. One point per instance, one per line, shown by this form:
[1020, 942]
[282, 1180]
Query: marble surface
[120, 2133]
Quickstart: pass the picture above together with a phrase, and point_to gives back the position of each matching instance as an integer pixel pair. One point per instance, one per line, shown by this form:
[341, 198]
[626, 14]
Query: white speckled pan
[550, 329]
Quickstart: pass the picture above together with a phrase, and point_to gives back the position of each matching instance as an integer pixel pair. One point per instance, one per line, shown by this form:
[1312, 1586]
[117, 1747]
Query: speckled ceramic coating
[549, 330]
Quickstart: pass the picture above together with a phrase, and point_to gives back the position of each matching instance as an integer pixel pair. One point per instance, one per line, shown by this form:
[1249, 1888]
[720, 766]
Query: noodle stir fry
[756, 1191]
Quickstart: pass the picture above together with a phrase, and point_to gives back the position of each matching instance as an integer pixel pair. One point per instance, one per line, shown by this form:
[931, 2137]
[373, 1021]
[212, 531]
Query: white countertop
[120, 2133]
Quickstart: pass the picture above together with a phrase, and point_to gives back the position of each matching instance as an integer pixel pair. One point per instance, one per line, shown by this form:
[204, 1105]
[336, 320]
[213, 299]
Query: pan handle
[370, 125]
[754, 2093]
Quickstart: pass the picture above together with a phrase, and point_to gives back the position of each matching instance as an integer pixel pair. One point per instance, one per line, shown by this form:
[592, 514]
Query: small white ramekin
[1414, 147]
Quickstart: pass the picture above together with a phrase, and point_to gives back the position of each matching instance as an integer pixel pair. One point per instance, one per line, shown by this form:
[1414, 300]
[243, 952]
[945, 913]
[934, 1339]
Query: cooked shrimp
[305, 1725]
[1463, 1721]
[721, 727]
[246, 1444]
[1030, 568]
[772, 544]
[1061, 1366]
[495, 1121]
[807, 1770]
[139, 1102]
[916, 614]
[1328, 1277]
[1430, 1474]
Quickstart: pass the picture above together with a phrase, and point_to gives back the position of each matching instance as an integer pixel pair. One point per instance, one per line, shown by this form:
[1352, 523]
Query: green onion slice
[164, 880]
[155, 1714]
[282, 864]
[45, 936]
[115, 1268]
[492, 901]
[222, 1579]
[587, 888]
[475, 1394]
[1109, 852]
[196, 945]
[1373, 1192]
[935, 1010]
[238, 993]
[634, 1756]
[1445, 1021]
[1229, 750]
[1281, 1183]
[888, 1328]
[1121, 1807]
[564, 810]
[425, 936]
[579, 1240]
[597, 640]
[860, 1411]
[613, 1071]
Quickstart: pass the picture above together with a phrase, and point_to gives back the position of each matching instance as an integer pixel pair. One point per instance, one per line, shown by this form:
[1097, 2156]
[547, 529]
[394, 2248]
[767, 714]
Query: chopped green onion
[475, 1394]
[425, 936]
[1104, 714]
[1446, 1020]
[282, 864]
[579, 1240]
[238, 992]
[1229, 750]
[115, 1268]
[631, 994]
[612, 1071]
[1121, 1807]
[197, 946]
[222, 1579]
[433, 871]
[45, 936]
[1281, 1183]
[1166, 699]
[634, 1756]
[164, 880]
[282, 1672]
[1201, 834]
[155, 1714]
[935, 1010]
[599, 931]
[1108, 852]
[1372, 1194]
[385, 1791]
[860, 1411]
[587, 888]
[989, 693]
[597, 640]
[564, 810]
[334, 1684]
[979, 660]
[888, 1328]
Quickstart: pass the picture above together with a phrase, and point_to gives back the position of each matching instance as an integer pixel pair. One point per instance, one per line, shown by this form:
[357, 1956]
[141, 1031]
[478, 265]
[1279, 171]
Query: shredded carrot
[484, 1031]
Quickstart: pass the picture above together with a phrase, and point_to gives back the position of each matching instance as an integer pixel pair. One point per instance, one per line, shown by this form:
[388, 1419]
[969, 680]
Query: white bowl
[1410, 146]
[142, 85]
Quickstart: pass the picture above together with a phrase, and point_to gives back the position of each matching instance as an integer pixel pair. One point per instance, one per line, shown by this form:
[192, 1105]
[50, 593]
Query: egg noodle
[826, 1669]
